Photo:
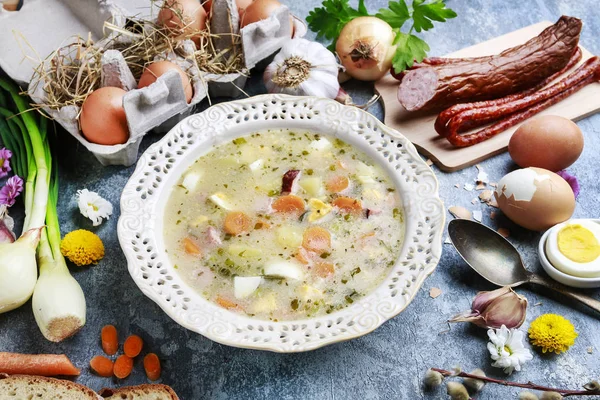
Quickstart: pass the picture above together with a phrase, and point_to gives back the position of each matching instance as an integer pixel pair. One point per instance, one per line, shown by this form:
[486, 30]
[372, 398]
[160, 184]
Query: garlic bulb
[303, 68]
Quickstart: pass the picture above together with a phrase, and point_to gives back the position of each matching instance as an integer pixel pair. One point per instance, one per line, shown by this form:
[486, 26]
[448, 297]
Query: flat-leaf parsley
[329, 19]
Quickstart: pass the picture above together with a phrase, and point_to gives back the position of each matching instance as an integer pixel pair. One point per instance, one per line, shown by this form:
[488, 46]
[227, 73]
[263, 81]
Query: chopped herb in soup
[283, 225]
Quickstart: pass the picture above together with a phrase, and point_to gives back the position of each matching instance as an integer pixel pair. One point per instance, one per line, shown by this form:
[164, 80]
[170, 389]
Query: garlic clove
[483, 299]
[495, 308]
[509, 310]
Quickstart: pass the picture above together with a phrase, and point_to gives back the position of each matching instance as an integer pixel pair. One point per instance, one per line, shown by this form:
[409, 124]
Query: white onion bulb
[365, 48]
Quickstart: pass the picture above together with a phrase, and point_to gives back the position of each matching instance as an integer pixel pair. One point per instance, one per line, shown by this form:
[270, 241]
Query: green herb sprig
[329, 19]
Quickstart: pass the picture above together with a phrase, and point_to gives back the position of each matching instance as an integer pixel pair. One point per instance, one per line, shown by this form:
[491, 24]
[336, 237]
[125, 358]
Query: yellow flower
[552, 333]
[82, 247]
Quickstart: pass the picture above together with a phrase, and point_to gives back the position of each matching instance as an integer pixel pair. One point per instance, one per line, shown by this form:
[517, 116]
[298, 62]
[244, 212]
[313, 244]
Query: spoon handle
[565, 290]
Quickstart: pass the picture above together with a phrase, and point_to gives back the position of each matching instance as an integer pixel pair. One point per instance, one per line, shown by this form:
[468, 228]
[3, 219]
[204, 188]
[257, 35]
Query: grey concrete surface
[386, 364]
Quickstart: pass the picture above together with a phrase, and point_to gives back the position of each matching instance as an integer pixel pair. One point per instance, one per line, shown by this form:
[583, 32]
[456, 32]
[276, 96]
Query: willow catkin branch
[528, 385]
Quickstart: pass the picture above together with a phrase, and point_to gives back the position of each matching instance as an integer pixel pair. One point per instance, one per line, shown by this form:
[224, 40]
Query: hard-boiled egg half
[573, 247]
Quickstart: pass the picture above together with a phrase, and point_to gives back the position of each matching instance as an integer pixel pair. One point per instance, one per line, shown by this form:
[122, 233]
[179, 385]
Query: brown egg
[549, 141]
[103, 119]
[159, 68]
[262, 9]
[241, 5]
[177, 14]
[535, 198]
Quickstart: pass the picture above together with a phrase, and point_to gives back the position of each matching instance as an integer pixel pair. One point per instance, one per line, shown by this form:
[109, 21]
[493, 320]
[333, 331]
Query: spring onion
[58, 301]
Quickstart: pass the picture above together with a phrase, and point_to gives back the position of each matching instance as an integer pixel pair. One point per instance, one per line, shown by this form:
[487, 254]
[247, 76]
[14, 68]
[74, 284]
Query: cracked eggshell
[535, 198]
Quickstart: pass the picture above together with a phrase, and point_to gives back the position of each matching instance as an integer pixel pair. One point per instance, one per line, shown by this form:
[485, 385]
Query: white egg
[573, 247]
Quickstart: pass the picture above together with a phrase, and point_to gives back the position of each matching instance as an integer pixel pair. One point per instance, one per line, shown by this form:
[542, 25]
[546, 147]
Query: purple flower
[571, 180]
[10, 191]
[5, 156]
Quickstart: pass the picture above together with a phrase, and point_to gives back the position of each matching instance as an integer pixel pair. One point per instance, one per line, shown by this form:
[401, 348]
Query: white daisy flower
[94, 207]
[507, 349]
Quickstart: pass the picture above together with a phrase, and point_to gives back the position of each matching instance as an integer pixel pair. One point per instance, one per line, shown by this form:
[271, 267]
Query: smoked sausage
[440, 84]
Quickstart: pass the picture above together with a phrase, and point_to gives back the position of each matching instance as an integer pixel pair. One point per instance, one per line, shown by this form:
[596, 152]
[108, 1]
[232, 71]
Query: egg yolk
[578, 244]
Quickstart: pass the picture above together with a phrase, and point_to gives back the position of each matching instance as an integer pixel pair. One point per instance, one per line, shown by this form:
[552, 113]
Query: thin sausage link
[513, 119]
[441, 122]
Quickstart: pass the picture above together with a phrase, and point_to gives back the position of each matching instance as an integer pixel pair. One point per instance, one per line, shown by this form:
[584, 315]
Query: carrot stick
[37, 364]
[133, 346]
[152, 366]
[102, 366]
[110, 340]
[123, 366]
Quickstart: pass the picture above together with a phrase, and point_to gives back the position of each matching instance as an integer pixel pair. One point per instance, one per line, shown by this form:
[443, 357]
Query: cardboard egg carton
[157, 107]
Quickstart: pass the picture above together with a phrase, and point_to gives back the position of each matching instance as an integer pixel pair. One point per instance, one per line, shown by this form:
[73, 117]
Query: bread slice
[25, 387]
[140, 392]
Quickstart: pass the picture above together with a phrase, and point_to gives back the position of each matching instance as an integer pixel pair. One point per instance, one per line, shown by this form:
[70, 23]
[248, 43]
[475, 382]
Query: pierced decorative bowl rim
[160, 167]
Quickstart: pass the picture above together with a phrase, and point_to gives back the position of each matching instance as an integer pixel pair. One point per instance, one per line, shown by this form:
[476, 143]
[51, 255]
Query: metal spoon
[494, 258]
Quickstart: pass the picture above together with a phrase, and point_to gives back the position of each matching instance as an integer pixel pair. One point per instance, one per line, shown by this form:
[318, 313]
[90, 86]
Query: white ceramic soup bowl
[140, 227]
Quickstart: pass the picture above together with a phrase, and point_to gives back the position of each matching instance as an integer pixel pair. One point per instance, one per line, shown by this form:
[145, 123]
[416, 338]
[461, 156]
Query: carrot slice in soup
[123, 366]
[337, 184]
[324, 269]
[303, 256]
[225, 303]
[191, 247]
[36, 364]
[133, 346]
[110, 341]
[237, 222]
[152, 366]
[316, 239]
[348, 205]
[102, 366]
[289, 204]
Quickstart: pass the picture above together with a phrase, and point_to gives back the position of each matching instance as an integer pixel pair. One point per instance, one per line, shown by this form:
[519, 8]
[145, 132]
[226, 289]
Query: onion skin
[365, 48]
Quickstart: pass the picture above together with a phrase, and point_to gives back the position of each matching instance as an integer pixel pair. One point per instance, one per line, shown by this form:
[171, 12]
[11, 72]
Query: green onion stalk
[58, 301]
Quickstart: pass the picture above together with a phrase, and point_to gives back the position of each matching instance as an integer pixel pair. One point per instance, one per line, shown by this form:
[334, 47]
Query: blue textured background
[386, 364]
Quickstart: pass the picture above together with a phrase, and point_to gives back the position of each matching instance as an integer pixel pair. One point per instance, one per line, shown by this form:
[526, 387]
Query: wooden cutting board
[418, 127]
